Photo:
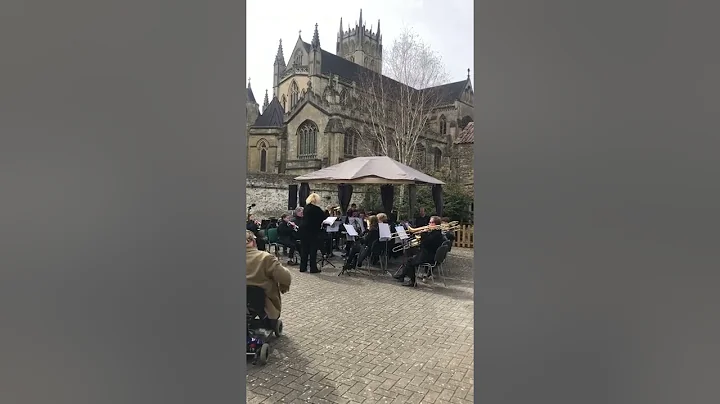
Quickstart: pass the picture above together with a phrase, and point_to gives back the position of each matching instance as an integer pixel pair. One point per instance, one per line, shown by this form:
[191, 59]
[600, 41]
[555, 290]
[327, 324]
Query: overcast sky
[447, 25]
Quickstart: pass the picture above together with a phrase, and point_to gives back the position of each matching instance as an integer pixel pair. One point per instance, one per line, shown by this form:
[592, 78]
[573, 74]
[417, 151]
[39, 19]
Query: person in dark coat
[361, 248]
[430, 241]
[287, 236]
[311, 233]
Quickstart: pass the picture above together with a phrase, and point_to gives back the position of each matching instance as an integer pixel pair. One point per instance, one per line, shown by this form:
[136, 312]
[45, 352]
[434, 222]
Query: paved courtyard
[361, 339]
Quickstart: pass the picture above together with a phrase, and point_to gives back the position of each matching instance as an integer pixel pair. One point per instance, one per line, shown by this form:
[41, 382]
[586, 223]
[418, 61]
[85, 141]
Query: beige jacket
[265, 270]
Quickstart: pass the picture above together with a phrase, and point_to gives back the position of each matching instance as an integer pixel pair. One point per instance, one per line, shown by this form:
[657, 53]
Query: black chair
[440, 256]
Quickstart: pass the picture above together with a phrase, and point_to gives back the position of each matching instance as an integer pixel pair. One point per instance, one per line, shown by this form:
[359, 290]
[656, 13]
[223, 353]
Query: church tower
[361, 45]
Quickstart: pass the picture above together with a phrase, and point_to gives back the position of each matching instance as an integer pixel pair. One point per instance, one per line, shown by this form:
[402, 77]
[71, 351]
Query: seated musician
[430, 241]
[264, 270]
[360, 248]
[254, 227]
[287, 235]
[448, 234]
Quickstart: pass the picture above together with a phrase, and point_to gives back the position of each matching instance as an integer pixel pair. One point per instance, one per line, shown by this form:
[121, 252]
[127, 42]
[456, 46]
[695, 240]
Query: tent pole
[412, 191]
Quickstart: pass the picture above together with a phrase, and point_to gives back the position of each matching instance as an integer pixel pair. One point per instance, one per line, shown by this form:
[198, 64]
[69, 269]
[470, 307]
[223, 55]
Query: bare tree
[398, 105]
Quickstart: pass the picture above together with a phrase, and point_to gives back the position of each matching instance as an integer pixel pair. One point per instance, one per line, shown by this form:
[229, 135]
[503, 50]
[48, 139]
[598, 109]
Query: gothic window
[294, 94]
[420, 157]
[262, 146]
[350, 143]
[284, 103]
[437, 159]
[298, 58]
[376, 148]
[307, 140]
[443, 125]
[343, 97]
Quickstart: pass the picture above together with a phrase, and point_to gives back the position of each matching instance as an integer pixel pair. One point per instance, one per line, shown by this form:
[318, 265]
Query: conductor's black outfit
[311, 232]
[429, 244]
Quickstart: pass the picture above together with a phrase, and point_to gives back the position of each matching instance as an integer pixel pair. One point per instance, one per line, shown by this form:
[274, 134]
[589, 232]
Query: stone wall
[269, 193]
[464, 160]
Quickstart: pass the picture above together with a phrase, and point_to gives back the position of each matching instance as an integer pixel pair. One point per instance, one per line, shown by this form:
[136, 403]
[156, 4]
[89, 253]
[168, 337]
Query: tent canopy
[369, 170]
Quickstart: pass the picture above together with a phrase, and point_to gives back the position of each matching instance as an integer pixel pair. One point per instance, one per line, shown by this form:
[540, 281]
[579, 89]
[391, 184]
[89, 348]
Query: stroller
[259, 326]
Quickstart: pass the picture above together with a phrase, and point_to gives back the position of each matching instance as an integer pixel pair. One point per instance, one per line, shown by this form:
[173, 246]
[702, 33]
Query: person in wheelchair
[264, 271]
[429, 243]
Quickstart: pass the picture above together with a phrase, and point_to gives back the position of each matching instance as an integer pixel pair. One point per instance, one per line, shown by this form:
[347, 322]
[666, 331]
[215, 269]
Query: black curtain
[437, 196]
[344, 195]
[303, 193]
[412, 195]
[387, 195]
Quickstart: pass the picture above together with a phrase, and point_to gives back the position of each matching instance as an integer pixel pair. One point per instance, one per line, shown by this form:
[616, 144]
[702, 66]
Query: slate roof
[351, 71]
[467, 135]
[250, 95]
[272, 116]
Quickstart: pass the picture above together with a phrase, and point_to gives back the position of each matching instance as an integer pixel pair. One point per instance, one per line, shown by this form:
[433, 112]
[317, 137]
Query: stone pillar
[334, 132]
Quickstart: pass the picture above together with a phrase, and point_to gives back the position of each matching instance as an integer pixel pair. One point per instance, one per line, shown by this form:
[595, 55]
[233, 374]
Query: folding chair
[440, 256]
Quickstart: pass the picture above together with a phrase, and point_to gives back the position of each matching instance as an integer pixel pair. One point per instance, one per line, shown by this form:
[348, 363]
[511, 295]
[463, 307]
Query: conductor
[311, 232]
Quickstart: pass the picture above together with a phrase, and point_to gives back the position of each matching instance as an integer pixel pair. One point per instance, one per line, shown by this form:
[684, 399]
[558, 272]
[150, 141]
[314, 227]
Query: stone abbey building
[307, 123]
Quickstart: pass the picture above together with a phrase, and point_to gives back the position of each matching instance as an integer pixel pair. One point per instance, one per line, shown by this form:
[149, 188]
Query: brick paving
[357, 339]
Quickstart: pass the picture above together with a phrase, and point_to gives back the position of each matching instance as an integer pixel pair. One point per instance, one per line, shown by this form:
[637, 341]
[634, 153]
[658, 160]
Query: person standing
[421, 219]
[311, 233]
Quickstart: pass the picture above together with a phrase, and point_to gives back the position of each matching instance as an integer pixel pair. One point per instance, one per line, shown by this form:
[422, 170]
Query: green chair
[273, 240]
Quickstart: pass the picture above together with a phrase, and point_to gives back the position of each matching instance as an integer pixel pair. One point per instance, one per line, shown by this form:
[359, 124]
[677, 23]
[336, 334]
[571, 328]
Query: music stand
[351, 232]
[333, 226]
[403, 236]
[385, 237]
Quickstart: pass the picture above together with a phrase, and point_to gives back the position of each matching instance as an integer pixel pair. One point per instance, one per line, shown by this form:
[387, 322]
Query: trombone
[451, 226]
[406, 246]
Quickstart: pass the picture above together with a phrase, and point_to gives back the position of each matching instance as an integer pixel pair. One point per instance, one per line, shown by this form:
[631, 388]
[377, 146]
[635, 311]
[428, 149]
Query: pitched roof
[272, 116]
[334, 64]
[467, 135]
[250, 95]
[451, 91]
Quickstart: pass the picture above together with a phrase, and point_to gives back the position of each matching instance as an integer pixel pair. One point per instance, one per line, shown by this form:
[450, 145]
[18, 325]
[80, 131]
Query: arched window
[420, 156]
[284, 103]
[437, 159]
[376, 148]
[263, 148]
[350, 143]
[443, 125]
[298, 58]
[343, 97]
[307, 140]
[294, 94]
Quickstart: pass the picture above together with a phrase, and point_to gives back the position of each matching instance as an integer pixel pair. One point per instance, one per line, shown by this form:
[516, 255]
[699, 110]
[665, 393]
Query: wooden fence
[464, 236]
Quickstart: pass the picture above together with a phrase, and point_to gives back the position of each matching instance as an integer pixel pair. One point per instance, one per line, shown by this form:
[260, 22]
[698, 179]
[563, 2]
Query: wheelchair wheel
[264, 353]
[278, 328]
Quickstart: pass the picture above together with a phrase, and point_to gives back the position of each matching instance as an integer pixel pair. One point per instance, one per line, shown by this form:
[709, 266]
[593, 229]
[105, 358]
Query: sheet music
[333, 228]
[357, 222]
[350, 230]
[401, 233]
[329, 221]
[384, 231]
